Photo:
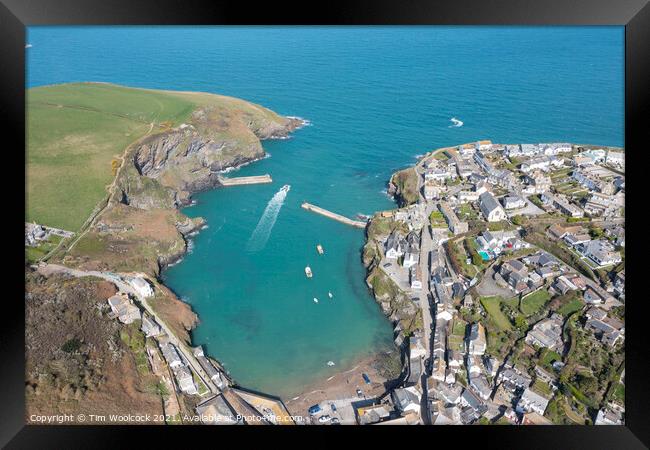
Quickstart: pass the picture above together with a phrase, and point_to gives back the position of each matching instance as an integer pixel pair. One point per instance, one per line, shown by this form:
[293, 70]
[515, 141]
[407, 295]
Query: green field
[492, 306]
[74, 131]
[534, 302]
[571, 307]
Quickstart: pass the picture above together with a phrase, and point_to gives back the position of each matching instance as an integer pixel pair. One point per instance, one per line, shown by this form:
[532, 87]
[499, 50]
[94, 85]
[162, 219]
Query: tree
[595, 232]
[520, 322]
[518, 220]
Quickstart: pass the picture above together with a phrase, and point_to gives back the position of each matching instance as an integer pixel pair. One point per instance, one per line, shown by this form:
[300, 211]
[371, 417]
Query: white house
[142, 286]
[171, 356]
[476, 342]
[513, 202]
[467, 196]
[600, 252]
[532, 401]
[124, 309]
[185, 381]
[407, 400]
[431, 191]
[395, 245]
[615, 158]
[490, 208]
[415, 277]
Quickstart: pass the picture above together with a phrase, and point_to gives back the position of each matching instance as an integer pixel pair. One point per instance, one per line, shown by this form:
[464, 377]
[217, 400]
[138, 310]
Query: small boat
[330, 363]
[320, 250]
[315, 300]
[28, 45]
[285, 188]
[308, 272]
[363, 216]
[329, 294]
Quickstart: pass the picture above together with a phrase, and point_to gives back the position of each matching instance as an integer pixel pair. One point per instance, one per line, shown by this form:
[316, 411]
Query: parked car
[359, 393]
[335, 421]
[314, 409]
[365, 378]
[325, 418]
[333, 406]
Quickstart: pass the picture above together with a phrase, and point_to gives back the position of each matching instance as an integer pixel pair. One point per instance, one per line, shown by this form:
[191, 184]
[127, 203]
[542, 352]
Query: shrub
[71, 346]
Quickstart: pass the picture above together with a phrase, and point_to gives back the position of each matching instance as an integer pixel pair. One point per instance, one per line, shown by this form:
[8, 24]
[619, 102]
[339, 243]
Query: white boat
[285, 188]
[320, 250]
[330, 294]
[330, 363]
[315, 300]
[308, 272]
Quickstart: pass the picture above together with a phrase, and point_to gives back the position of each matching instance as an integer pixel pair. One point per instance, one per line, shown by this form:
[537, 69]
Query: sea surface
[376, 98]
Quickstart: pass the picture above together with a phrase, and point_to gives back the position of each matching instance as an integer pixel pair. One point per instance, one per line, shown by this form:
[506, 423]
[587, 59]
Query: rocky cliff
[394, 303]
[193, 156]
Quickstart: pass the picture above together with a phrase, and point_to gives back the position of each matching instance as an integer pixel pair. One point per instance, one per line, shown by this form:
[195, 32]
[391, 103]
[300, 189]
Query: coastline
[341, 385]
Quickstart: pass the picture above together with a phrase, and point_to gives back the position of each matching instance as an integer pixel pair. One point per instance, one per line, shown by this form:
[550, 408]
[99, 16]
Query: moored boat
[320, 250]
[315, 300]
[308, 272]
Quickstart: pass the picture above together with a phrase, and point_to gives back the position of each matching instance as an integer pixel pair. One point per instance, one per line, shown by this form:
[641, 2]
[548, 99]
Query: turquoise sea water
[376, 98]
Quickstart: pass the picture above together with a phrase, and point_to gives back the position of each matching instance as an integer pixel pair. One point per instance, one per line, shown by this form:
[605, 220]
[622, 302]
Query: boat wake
[456, 123]
[262, 231]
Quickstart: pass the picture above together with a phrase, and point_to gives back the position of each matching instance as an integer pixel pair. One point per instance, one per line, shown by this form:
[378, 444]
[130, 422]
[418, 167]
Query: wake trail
[456, 123]
[262, 232]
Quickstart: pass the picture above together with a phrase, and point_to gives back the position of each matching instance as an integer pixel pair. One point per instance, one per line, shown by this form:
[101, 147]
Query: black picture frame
[15, 15]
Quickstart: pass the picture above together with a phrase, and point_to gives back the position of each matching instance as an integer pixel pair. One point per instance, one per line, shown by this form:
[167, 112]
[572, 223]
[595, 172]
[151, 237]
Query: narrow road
[426, 247]
[49, 269]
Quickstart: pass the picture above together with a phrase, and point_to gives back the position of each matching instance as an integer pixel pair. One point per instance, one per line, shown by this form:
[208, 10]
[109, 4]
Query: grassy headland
[77, 135]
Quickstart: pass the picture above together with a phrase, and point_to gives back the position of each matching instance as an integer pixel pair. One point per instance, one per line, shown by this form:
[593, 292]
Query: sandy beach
[340, 386]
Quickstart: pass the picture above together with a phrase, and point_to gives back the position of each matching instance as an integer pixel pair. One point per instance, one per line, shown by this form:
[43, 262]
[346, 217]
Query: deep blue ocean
[376, 97]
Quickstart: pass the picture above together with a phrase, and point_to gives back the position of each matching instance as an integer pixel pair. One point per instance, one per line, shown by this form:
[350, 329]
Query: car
[365, 378]
[314, 409]
[333, 406]
[359, 393]
[335, 421]
[325, 418]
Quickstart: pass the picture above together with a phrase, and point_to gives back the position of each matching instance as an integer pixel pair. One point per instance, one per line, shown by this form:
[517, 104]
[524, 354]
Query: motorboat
[315, 300]
[308, 272]
[329, 294]
[285, 188]
[320, 250]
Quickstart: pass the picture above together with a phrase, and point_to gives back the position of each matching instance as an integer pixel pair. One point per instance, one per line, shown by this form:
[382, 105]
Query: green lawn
[542, 388]
[618, 393]
[548, 357]
[493, 309]
[533, 303]
[437, 220]
[570, 307]
[459, 327]
[34, 254]
[442, 155]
